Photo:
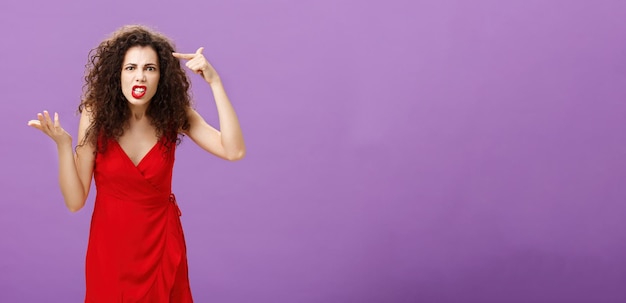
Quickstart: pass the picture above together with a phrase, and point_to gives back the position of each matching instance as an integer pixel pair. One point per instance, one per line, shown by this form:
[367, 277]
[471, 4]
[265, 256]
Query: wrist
[64, 144]
[215, 81]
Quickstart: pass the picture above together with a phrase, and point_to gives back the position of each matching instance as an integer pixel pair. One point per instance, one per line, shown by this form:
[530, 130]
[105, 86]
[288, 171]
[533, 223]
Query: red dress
[136, 251]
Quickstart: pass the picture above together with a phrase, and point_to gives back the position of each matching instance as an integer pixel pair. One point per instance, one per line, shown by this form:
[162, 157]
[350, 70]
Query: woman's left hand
[200, 65]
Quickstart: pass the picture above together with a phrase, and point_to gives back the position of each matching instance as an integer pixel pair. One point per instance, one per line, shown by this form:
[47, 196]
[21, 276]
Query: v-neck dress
[136, 250]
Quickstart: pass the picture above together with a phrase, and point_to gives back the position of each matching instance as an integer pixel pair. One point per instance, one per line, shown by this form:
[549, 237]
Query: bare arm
[227, 143]
[75, 170]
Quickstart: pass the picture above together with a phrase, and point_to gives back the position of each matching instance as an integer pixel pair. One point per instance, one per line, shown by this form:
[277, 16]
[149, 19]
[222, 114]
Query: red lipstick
[138, 91]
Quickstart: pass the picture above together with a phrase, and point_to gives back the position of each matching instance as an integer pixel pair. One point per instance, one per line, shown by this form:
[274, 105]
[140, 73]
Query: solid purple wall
[398, 151]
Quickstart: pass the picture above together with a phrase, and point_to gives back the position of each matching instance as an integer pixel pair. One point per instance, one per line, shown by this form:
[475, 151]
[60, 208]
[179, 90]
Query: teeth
[139, 90]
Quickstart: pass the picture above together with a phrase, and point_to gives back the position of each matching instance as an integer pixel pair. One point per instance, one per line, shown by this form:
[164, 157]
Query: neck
[138, 112]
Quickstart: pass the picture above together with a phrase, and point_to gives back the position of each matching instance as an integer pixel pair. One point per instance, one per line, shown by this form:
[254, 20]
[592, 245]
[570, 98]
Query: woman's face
[140, 75]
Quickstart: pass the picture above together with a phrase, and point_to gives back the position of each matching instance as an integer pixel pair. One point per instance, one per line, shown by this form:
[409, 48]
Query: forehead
[141, 55]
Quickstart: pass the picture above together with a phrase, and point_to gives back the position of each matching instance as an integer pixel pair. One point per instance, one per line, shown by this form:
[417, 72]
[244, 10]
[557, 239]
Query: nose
[140, 76]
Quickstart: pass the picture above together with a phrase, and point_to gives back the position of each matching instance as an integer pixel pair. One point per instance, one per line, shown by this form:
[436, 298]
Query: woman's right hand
[51, 128]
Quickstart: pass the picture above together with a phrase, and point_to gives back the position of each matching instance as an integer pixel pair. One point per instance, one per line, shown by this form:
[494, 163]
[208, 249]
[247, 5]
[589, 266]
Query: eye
[151, 68]
[129, 68]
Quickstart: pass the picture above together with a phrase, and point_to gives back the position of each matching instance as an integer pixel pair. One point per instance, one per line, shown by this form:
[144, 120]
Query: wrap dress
[136, 250]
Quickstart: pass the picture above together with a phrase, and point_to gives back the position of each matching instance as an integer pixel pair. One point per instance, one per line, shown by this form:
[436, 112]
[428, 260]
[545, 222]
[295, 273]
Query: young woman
[134, 110]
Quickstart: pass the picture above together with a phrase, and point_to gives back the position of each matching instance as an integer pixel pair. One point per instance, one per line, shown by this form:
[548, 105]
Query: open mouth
[138, 91]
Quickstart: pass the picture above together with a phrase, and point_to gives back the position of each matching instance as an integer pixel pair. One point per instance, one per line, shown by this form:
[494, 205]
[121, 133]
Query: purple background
[398, 151]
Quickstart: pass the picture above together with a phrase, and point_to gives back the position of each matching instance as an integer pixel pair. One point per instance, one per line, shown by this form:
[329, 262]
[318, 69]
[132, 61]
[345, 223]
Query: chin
[137, 102]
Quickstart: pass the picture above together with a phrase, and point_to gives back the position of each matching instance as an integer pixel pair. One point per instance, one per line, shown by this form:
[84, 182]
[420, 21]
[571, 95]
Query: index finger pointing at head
[183, 56]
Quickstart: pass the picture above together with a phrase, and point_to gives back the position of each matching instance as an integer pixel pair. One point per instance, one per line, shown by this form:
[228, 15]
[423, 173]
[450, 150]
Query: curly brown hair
[104, 99]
